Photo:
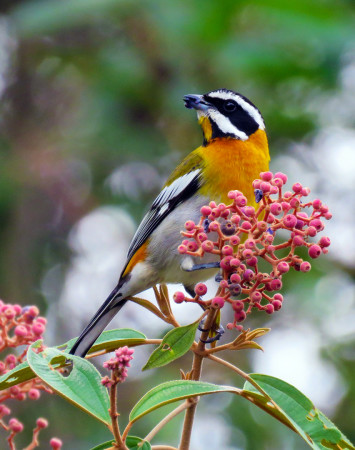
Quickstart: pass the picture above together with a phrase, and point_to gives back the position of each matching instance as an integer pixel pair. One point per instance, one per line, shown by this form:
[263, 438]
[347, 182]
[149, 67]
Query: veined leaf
[173, 391]
[175, 344]
[82, 386]
[315, 428]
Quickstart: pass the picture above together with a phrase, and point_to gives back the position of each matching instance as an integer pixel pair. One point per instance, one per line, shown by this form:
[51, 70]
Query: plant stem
[195, 374]
[114, 418]
[166, 419]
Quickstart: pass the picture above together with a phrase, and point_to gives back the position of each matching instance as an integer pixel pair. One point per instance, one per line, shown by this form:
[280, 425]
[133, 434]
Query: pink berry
[324, 241]
[18, 309]
[285, 206]
[290, 221]
[235, 219]
[316, 203]
[213, 204]
[225, 262]
[249, 211]
[328, 216]
[265, 186]
[206, 211]
[262, 225]
[282, 176]
[33, 311]
[55, 443]
[9, 312]
[42, 423]
[246, 226]
[200, 289]
[234, 263]
[314, 251]
[207, 246]
[241, 200]
[270, 218]
[202, 237]
[238, 306]
[249, 243]
[247, 253]
[235, 278]
[256, 297]
[218, 302]
[288, 195]
[234, 240]
[4, 410]
[214, 226]
[240, 316]
[223, 284]
[311, 231]
[256, 184]
[15, 425]
[277, 305]
[266, 176]
[192, 246]
[269, 309]
[179, 297]
[182, 249]
[283, 267]
[317, 224]
[294, 203]
[38, 328]
[248, 275]
[230, 326]
[278, 297]
[297, 187]
[277, 183]
[232, 195]
[11, 359]
[305, 266]
[305, 191]
[20, 331]
[276, 209]
[227, 250]
[253, 261]
[14, 390]
[276, 284]
[21, 396]
[298, 241]
[34, 394]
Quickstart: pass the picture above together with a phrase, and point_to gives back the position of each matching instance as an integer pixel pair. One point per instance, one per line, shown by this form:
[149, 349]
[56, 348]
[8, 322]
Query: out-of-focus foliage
[91, 115]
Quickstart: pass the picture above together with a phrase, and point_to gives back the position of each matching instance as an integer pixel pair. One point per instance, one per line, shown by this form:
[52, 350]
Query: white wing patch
[253, 112]
[225, 125]
[169, 198]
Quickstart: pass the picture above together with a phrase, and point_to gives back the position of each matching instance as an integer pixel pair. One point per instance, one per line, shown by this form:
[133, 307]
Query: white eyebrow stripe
[225, 125]
[253, 112]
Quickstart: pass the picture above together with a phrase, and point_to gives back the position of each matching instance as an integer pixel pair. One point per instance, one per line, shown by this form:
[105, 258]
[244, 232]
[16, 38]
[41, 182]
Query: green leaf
[104, 445]
[175, 343]
[315, 428]
[133, 441]
[82, 386]
[19, 374]
[111, 340]
[173, 391]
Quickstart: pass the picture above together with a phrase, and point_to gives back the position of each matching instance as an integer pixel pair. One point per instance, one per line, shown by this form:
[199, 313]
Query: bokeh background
[92, 122]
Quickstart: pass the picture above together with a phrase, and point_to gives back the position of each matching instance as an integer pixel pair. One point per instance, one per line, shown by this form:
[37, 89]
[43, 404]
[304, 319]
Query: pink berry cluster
[242, 237]
[118, 366]
[20, 326]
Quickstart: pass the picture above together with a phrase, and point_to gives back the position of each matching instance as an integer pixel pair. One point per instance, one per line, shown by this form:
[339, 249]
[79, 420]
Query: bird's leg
[219, 333]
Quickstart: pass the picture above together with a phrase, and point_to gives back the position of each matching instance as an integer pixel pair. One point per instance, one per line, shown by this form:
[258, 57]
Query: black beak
[193, 101]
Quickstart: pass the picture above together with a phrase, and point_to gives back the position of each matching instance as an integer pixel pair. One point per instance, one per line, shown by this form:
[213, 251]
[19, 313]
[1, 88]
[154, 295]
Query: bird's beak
[197, 102]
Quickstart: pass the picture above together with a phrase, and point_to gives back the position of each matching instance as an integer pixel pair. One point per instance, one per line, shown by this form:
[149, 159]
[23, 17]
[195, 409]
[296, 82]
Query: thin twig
[195, 375]
[114, 418]
[166, 419]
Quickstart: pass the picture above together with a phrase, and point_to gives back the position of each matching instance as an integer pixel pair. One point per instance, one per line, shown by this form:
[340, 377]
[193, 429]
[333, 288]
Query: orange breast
[234, 164]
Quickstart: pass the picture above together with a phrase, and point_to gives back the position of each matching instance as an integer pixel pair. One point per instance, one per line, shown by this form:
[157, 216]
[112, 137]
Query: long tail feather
[98, 323]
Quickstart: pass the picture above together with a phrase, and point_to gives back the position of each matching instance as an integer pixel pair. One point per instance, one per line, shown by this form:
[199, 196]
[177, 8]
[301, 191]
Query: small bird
[234, 152]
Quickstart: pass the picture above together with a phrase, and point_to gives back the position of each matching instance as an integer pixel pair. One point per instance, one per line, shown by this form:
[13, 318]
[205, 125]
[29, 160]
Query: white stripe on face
[223, 123]
[250, 109]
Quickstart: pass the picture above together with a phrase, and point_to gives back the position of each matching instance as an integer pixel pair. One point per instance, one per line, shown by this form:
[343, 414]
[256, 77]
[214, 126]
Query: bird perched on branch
[234, 152]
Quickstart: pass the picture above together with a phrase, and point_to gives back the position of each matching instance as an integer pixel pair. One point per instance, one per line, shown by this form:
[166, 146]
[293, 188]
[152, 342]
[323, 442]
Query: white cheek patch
[225, 125]
[250, 109]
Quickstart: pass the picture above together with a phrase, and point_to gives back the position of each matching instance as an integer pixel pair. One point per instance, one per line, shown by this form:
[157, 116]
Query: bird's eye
[230, 106]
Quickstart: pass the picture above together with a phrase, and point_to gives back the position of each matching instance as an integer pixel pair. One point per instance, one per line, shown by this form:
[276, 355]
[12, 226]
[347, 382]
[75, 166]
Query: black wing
[169, 198]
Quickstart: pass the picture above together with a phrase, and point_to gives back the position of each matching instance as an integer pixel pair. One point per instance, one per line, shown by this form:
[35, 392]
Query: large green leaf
[316, 429]
[175, 344]
[82, 386]
[104, 445]
[172, 391]
[109, 340]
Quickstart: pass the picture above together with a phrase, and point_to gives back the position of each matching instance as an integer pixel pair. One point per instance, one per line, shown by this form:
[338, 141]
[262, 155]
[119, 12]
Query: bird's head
[225, 114]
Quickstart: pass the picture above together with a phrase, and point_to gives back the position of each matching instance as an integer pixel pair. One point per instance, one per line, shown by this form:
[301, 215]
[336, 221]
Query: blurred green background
[92, 121]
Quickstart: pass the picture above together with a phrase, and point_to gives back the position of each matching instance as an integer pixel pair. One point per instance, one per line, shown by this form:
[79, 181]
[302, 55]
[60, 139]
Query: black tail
[98, 323]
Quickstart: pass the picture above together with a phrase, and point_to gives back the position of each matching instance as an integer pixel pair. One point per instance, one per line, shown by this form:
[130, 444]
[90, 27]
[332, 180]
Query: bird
[233, 153]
